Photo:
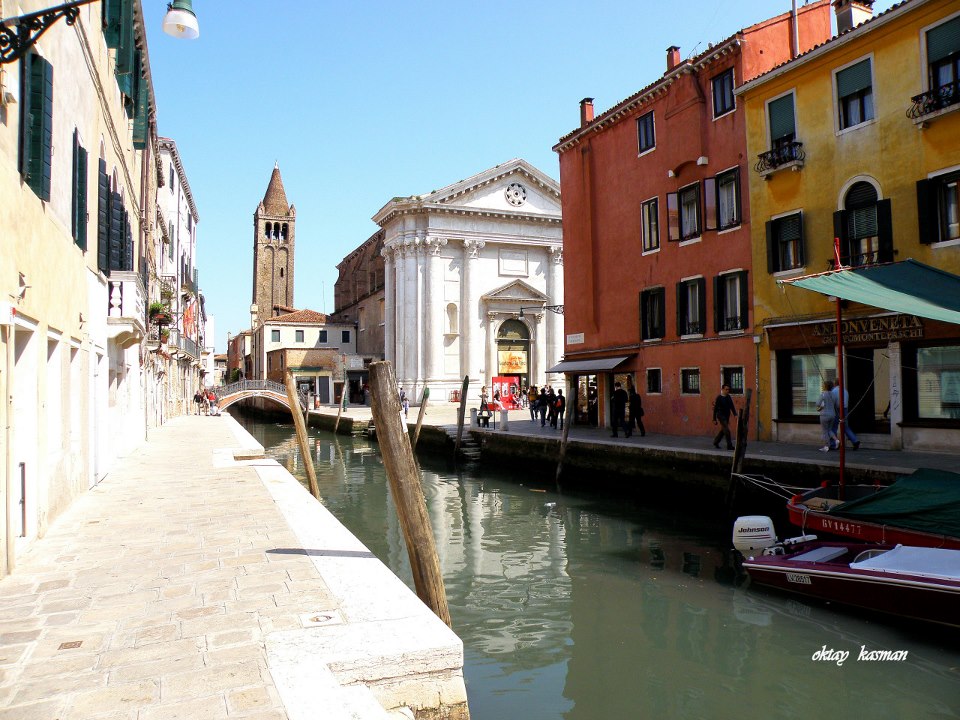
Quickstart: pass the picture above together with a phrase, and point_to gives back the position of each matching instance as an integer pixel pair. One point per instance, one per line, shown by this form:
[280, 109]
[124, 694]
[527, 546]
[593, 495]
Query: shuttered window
[855, 94]
[36, 123]
[864, 227]
[646, 139]
[854, 78]
[785, 243]
[730, 301]
[652, 314]
[78, 210]
[783, 126]
[103, 218]
[691, 306]
[943, 40]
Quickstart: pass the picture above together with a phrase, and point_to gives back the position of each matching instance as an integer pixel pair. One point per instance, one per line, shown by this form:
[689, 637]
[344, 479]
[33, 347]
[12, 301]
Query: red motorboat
[921, 583]
[922, 509]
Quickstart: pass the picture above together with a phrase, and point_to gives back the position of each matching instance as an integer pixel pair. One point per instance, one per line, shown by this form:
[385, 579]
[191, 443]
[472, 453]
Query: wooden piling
[301, 429]
[398, 461]
[423, 409]
[740, 449]
[567, 417]
[460, 415]
[343, 401]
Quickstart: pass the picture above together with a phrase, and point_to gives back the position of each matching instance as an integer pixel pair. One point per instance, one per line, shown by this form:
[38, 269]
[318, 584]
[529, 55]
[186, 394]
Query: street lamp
[180, 20]
[558, 309]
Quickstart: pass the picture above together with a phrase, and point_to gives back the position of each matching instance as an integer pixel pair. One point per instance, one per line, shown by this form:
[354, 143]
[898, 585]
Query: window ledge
[946, 243]
[651, 251]
[693, 336]
[653, 340]
[792, 272]
[795, 165]
[730, 333]
[732, 228]
[690, 241]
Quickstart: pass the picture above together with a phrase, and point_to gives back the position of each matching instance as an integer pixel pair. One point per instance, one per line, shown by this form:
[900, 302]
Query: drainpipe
[8, 461]
[795, 36]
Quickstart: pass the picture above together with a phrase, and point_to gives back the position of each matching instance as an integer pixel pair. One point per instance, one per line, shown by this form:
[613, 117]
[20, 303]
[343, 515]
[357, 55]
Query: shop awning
[596, 365]
[908, 287]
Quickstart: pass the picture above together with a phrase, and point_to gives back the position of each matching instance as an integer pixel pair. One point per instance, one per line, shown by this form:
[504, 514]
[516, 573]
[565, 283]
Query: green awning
[908, 287]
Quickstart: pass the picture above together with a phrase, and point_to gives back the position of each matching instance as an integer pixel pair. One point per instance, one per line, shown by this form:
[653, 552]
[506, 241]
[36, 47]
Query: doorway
[513, 351]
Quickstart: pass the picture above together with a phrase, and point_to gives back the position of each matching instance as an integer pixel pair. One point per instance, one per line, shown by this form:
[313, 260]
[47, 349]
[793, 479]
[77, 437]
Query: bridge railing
[222, 391]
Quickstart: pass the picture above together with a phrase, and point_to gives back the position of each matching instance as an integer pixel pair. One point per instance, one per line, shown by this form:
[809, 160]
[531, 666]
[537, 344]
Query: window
[864, 227]
[654, 380]
[800, 381]
[938, 208]
[943, 55]
[345, 336]
[36, 124]
[652, 314]
[722, 200]
[323, 336]
[781, 121]
[785, 243]
[691, 306]
[299, 336]
[683, 213]
[274, 336]
[689, 381]
[171, 175]
[78, 211]
[645, 135]
[855, 94]
[649, 225]
[938, 383]
[730, 298]
[723, 101]
[732, 376]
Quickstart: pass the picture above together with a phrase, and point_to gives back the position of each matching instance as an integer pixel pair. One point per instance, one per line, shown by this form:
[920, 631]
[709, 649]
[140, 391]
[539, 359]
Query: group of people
[619, 402]
[829, 408]
[547, 404]
[206, 402]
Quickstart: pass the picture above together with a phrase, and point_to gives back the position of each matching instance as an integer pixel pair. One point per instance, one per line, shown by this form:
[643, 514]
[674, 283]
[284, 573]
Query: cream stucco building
[470, 271]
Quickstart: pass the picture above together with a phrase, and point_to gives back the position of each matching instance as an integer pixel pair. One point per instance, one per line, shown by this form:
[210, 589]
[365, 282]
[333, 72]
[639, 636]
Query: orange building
[657, 233]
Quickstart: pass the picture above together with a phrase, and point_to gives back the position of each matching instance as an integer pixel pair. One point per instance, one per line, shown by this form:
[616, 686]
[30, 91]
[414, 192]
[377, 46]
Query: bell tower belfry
[274, 225]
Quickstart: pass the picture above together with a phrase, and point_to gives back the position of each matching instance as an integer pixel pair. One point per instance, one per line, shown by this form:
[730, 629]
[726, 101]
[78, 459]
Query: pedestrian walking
[636, 411]
[532, 397]
[405, 403]
[723, 409]
[561, 408]
[827, 416]
[847, 430]
[198, 401]
[211, 402]
[551, 407]
[618, 411]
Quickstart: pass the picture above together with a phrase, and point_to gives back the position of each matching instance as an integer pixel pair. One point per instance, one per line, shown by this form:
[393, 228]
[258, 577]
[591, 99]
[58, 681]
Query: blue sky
[363, 101]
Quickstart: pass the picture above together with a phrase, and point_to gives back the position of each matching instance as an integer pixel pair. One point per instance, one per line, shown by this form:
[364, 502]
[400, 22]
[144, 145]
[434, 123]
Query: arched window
[864, 226]
[267, 229]
[283, 232]
[453, 321]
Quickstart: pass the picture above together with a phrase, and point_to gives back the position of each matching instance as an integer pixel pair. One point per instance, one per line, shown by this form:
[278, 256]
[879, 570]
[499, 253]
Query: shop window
[732, 376]
[689, 381]
[691, 306]
[938, 208]
[650, 225]
[800, 381]
[785, 243]
[938, 383]
[646, 140]
[855, 94]
[652, 314]
[723, 100]
[730, 301]
[654, 381]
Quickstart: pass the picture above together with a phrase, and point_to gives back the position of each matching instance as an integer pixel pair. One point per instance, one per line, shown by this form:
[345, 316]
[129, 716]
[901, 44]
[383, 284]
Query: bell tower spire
[274, 230]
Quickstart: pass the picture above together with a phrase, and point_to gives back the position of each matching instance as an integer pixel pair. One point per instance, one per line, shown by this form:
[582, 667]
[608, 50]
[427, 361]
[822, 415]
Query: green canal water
[595, 606]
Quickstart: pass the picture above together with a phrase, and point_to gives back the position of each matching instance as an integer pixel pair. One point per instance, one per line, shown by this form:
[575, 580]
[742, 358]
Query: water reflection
[589, 608]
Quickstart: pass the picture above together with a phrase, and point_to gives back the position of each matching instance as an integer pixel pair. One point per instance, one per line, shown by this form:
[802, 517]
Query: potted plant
[164, 334]
[159, 313]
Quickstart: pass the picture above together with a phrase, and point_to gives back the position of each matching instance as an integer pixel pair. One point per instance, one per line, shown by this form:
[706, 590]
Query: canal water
[595, 606]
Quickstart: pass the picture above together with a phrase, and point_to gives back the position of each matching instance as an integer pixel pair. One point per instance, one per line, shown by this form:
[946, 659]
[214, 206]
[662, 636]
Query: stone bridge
[227, 395]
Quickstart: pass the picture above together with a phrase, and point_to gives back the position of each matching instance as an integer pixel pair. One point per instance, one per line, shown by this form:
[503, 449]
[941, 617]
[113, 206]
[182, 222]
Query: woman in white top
[827, 414]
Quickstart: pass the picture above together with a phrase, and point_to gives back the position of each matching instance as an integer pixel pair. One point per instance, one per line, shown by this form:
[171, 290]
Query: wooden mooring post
[301, 428]
[423, 409]
[460, 415]
[567, 417]
[740, 449]
[343, 402]
[404, 479]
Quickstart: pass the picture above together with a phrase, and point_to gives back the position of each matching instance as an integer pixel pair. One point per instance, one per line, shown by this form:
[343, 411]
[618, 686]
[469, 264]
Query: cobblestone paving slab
[150, 598]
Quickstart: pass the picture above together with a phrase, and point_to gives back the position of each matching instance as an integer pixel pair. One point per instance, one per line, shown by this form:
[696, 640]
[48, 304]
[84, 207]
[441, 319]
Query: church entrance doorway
[513, 352]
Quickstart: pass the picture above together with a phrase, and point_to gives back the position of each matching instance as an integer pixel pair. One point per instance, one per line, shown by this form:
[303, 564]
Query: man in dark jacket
[723, 408]
[636, 411]
[618, 410]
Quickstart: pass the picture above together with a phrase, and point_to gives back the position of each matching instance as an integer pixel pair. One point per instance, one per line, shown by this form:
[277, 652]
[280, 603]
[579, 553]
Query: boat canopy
[908, 287]
[928, 501]
[923, 561]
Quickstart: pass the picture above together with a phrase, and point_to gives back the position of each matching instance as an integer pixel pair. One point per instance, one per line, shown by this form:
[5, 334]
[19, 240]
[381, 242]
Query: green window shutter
[140, 118]
[782, 120]
[40, 148]
[26, 115]
[126, 49]
[854, 78]
[81, 236]
[115, 243]
[111, 22]
[103, 218]
[75, 199]
[943, 40]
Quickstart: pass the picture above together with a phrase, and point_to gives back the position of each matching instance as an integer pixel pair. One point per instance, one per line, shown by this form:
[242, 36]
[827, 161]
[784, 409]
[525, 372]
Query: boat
[922, 509]
[920, 583]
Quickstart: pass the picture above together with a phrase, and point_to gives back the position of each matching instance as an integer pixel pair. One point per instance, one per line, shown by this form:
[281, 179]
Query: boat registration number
[798, 578]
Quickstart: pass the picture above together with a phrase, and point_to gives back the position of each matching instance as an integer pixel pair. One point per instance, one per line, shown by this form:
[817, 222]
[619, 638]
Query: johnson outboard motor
[752, 533]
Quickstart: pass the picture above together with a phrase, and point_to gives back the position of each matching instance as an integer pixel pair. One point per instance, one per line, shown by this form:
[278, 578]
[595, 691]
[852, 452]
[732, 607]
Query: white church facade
[474, 282]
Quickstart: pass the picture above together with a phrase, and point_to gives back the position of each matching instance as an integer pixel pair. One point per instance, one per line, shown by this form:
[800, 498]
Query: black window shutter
[126, 49]
[103, 218]
[927, 215]
[75, 190]
[884, 232]
[840, 231]
[744, 300]
[702, 303]
[773, 251]
[660, 298]
[681, 309]
[802, 243]
[710, 203]
[116, 230]
[45, 126]
[82, 199]
[129, 264]
[38, 125]
[736, 190]
[111, 22]
[26, 112]
[718, 288]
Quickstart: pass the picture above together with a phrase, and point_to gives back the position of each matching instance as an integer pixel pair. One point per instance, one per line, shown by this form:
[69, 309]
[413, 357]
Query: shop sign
[889, 328]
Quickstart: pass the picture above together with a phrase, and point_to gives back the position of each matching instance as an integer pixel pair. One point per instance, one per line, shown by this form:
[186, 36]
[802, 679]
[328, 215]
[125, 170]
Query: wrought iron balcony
[785, 155]
[933, 101]
[732, 323]
[126, 308]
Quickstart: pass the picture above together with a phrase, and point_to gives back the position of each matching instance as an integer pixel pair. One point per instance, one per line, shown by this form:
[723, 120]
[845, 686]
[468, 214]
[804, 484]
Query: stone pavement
[180, 587]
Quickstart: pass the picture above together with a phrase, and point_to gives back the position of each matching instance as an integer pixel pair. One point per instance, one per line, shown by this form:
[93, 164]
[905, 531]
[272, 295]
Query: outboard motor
[753, 532]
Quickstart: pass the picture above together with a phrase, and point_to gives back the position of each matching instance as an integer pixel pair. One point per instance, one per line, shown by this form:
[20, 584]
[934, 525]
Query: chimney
[586, 112]
[673, 57]
[851, 13]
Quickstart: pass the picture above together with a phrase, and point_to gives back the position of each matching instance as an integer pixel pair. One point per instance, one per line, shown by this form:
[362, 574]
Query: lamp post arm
[18, 34]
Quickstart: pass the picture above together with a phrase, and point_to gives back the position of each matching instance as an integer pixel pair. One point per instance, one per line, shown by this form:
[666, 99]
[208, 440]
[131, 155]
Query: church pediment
[515, 186]
[515, 292]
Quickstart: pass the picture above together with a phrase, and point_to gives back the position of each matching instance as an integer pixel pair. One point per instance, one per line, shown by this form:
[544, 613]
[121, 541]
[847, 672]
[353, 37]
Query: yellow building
[859, 140]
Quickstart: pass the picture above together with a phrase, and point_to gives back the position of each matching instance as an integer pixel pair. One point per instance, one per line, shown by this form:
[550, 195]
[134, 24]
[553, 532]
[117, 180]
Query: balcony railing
[788, 154]
[934, 100]
[730, 324]
[126, 307]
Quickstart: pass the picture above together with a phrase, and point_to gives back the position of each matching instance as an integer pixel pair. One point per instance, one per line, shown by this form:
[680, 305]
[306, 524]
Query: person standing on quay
[636, 411]
[723, 408]
[827, 416]
[847, 430]
[561, 408]
[618, 411]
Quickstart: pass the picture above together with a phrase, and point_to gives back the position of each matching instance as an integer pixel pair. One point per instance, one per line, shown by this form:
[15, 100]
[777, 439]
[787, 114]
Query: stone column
[411, 325]
[539, 342]
[434, 311]
[400, 329]
[470, 313]
[389, 318]
[554, 330]
[491, 359]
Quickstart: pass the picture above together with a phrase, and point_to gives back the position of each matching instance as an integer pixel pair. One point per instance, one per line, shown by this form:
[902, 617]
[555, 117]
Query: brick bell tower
[274, 224]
